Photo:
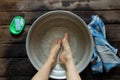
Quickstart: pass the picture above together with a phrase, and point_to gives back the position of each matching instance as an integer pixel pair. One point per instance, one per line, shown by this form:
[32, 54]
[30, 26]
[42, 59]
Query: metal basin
[53, 25]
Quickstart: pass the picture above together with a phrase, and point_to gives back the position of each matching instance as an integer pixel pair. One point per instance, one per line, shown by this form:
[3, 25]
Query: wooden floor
[14, 63]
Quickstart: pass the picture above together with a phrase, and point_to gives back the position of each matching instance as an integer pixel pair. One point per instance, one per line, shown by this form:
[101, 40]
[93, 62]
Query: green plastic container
[17, 25]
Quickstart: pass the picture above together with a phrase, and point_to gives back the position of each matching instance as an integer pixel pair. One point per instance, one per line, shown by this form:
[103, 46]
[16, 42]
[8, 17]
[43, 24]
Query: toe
[66, 36]
[56, 41]
[59, 41]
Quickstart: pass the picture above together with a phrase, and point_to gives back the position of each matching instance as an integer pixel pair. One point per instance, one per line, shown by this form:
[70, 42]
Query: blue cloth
[104, 56]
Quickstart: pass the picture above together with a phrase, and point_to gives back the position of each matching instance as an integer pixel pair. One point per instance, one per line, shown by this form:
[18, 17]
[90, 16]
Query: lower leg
[66, 59]
[43, 73]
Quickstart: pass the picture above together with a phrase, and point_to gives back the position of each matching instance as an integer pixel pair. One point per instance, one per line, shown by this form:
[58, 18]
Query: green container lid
[17, 25]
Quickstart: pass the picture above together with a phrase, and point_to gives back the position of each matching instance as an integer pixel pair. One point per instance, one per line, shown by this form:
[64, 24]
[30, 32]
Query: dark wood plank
[91, 76]
[14, 64]
[7, 37]
[16, 78]
[29, 78]
[116, 44]
[19, 50]
[14, 46]
[29, 16]
[111, 75]
[33, 5]
[16, 67]
[112, 32]
[21, 67]
[113, 16]
[13, 51]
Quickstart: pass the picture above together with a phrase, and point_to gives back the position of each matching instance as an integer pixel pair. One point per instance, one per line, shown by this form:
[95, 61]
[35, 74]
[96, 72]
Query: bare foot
[65, 42]
[66, 55]
[55, 47]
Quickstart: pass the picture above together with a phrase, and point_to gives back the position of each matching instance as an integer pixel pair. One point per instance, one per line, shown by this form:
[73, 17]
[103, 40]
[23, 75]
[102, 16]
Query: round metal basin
[55, 24]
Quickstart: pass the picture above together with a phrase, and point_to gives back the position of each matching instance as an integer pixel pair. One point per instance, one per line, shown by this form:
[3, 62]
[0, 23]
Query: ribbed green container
[17, 25]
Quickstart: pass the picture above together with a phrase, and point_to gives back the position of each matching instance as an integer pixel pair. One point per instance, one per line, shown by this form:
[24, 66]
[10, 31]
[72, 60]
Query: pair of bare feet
[66, 56]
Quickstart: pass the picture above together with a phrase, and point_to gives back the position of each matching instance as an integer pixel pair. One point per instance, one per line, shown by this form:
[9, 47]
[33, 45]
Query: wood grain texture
[20, 68]
[38, 5]
[112, 75]
[112, 32]
[30, 17]
[12, 67]
[16, 78]
[19, 50]
[14, 63]
[14, 46]
[7, 37]
[13, 51]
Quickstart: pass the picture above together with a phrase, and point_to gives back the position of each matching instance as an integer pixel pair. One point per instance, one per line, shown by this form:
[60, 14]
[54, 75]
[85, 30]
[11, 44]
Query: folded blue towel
[104, 56]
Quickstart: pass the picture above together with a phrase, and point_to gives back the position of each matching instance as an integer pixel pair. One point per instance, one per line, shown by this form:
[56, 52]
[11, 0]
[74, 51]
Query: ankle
[51, 61]
[68, 60]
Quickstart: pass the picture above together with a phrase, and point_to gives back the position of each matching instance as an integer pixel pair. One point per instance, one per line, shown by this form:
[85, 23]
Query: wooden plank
[14, 46]
[22, 78]
[29, 78]
[19, 50]
[113, 16]
[16, 78]
[94, 77]
[7, 37]
[29, 16]
[113, 71]
[116, 44]
[111, 75]
[12, 51]
[20, 68]
[112, 32]
[16, 67]
[37, 5]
